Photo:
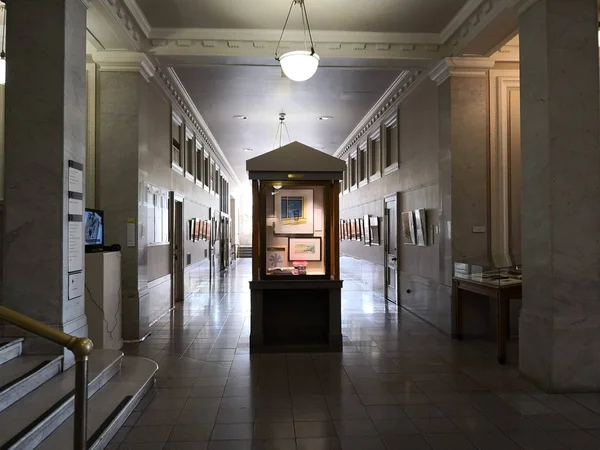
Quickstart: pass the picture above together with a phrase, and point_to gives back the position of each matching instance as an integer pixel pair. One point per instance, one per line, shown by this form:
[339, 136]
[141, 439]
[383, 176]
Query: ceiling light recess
[325, 117]
[240, 117]
[299, 65]
[249, 150]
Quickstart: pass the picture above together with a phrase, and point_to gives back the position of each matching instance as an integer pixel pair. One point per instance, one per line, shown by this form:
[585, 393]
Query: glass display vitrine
[489, 275]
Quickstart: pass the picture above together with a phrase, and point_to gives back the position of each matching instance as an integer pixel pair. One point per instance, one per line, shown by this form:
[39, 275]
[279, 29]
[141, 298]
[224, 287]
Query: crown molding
[120, 14]
[482, 15]
[465, 67]
[117, 61]
[139, 16]
[461, 17]
[173, 86]
[179, 47]
[86, 3]
[399, 89]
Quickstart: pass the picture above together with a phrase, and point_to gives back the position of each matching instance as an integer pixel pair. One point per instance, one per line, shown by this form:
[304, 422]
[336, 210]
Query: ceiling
[221, 50]
[405, 16]
[261, 93]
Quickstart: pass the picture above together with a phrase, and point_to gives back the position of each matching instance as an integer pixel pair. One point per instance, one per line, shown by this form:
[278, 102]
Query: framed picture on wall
[191, 230]
[347, 230]
[294, 211]
[359, 229]
[304, 249]
[366, 230]
[275, 257]
[374, 230]
[341, 230]
[197, 225]
[352, 230]
[408, 229]
[421, 227]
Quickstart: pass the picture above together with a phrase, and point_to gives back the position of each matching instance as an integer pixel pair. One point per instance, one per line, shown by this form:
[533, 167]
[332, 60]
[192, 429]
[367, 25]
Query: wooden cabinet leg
[502, 328]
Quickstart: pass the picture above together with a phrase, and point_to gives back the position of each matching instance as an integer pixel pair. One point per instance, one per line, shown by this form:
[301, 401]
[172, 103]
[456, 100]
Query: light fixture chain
[283, 31]
[312, 44]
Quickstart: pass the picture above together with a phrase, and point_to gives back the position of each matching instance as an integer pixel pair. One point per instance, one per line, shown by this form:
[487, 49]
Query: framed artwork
[374, 230]
[275, 257]
[203, 232]
[304, 249]
[191, 229]
[341, 230]
[294, 211]
[352, 230]
[359, 229]
[408, 229]
[197, 223]
[421, 227]
[347, 230]
[366, 230]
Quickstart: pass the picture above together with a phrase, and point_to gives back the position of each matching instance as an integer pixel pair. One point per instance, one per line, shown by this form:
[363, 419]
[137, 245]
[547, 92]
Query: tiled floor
[399, 385]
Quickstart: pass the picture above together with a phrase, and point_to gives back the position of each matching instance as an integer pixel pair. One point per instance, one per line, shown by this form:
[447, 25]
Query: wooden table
[502, 294]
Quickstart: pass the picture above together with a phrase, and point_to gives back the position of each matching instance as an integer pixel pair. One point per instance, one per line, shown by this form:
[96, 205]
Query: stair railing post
[81, 353]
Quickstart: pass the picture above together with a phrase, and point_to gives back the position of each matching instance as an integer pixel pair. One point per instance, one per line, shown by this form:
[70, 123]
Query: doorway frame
[393, 197]
[177, 263]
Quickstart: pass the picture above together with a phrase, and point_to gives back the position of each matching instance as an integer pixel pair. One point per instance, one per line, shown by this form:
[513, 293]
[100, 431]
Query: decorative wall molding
[502, 84]
[392, 97]
[125, 62]
[507, 53]
[262, 48]
[139, 16]
[463, 67]
[129, 25]
[86, 3]
[172, 85]
[459, 19]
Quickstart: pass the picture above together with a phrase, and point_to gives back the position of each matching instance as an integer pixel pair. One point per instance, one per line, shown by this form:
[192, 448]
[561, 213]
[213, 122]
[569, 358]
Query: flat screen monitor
[94, 229]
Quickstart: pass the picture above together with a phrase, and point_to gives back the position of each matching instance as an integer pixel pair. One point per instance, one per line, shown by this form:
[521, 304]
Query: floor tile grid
[399, 384]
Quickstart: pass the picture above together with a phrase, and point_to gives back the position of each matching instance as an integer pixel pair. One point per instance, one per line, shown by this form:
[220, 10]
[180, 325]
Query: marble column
[45, 129]
[560, 319]
[119, 190]
[463, 104]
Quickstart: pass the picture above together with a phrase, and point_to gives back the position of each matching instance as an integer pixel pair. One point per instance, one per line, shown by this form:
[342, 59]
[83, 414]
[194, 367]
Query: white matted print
[294, 211]
[421, 227]
[275, 257]
[304, 249]
[408, 229]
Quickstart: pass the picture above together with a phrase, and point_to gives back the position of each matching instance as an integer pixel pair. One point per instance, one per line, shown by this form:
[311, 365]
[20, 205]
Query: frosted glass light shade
[299, 65]
[2, 71]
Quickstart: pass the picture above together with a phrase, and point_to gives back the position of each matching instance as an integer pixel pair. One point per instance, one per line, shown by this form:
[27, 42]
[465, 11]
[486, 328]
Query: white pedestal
[103, 299]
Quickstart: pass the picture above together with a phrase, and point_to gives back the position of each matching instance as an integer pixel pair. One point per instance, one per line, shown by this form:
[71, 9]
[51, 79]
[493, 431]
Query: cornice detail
[116, 61]
[139, 16]
[86, 3]
[171, 83]
[229, 47]
[390, 99]
[482, 13]
[465, 67]
[121, 14]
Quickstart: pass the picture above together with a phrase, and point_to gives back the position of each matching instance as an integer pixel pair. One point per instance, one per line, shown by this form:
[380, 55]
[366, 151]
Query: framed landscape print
[421, 227]
[294, 211]
[366, 230]
[374, 229]
[408, 229]
[275, 257]
[304, 249]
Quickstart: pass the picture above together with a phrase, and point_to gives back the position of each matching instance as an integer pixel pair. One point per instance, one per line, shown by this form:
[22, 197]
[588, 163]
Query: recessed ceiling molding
[173, 47]
[465, 67]
[175, 88]
[139, 16]
[295, 36]
[116, 61]
[127, 24]
[391, 98]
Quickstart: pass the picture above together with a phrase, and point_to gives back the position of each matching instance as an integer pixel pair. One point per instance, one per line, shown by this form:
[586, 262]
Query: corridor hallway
[399, 385]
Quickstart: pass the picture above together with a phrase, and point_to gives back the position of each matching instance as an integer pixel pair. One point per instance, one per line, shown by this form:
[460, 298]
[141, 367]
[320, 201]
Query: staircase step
[10, 349]
[109, 408]
[20, 376]
[28, 422]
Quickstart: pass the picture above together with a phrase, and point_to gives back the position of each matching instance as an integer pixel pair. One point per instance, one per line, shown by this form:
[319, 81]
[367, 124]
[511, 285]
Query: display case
[489, 275]
[295, 287]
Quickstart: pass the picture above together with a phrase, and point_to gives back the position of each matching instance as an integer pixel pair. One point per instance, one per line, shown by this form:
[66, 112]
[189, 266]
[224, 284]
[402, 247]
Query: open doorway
[390, 244]
[177, 289]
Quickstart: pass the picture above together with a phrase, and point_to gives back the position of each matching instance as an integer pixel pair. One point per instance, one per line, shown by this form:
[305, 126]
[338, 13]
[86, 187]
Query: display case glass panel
[489, 275]
[296, 236]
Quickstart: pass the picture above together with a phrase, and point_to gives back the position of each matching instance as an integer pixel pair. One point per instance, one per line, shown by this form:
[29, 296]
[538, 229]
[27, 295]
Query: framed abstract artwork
[275, 257]
[408, 228]
[421, 227]
[304, 249]
[294, 211]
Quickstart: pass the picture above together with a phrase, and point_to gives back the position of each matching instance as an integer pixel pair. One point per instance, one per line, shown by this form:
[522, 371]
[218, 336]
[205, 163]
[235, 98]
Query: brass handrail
[81, 348]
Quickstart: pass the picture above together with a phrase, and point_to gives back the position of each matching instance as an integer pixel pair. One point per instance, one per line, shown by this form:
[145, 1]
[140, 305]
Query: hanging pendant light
[2, 52]
[299, 65]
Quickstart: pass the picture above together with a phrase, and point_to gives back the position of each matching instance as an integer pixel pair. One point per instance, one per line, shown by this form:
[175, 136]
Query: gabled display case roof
[295, 161]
